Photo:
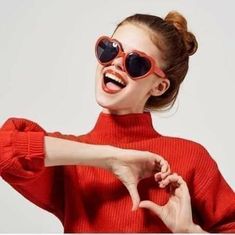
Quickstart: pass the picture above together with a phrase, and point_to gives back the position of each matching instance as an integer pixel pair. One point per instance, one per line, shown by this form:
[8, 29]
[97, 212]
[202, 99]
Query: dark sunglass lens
[106, 50]
[136, 65]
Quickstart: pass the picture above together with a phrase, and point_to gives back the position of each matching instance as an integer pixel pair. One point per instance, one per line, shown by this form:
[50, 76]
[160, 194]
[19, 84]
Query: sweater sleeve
[22, 165]
[213, 199]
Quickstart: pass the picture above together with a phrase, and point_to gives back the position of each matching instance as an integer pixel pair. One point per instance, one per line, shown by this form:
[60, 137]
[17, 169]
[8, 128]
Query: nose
[118, 63]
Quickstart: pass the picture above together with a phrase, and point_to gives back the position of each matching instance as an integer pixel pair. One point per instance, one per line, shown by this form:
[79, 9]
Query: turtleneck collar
[125, 128]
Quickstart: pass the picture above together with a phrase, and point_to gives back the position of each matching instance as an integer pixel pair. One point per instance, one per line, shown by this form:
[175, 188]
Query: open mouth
[113, 83]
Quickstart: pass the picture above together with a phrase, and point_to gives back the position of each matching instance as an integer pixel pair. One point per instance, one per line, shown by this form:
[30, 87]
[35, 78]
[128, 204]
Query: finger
[168, 170]
[162, 175]
[158, 176]
[156, 209]
[132, 189]
[174, 179]
[161, 165]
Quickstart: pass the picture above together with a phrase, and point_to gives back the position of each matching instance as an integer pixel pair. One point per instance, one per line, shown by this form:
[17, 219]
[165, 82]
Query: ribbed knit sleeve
[22, 165]
[21, 150]
[214, 199]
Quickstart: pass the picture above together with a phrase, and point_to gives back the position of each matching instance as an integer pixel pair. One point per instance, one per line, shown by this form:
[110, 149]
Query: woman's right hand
[131, 166]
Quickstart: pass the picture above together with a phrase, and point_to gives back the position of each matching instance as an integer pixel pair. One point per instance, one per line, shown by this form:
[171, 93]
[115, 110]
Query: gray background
[47, 75]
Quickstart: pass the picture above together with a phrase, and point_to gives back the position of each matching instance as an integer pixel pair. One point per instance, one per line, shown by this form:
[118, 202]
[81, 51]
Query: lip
[106, 89]
[116, 74]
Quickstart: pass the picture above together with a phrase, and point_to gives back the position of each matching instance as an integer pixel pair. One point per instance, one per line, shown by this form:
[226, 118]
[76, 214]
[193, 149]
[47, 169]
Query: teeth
[114, 78]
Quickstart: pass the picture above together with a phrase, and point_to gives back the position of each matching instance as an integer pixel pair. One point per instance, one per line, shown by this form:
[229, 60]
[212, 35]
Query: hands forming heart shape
[132, 166]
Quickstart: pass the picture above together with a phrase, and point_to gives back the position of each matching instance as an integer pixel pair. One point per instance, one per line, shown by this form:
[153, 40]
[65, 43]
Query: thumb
[132, 188]
[156, 209]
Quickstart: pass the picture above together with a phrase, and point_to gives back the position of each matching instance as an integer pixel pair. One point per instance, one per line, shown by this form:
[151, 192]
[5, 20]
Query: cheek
[144, 85]
[141, 89]
[137, 91]
[99, 69]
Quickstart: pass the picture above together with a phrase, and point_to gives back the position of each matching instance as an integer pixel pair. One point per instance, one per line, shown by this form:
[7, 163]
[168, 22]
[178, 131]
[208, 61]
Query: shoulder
[188, 148]
[182, 142]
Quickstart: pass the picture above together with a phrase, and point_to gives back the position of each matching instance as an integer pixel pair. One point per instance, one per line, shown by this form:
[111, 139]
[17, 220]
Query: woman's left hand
[176, 214]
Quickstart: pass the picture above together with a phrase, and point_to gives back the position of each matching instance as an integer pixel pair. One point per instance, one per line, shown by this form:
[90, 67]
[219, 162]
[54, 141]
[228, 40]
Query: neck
[125, 128]
[124, 111]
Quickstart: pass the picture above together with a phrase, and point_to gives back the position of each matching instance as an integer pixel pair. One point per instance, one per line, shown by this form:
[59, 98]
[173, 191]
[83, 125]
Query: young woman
[82, 179]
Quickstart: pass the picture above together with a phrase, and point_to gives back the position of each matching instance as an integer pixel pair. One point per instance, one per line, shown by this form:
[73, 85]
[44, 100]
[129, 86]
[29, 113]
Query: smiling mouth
[112, 83]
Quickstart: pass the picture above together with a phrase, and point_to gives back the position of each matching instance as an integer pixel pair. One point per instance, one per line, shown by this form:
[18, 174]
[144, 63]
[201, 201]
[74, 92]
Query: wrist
[113, 154]
[103, 156]
[194, 228]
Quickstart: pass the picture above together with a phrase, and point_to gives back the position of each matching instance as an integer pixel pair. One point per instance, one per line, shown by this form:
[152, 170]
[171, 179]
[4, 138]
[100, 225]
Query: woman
[140, 67]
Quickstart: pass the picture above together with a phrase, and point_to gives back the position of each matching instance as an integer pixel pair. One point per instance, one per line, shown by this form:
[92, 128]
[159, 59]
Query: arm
[22, 165]
[130, 166]
[27, 149]
[67, 152]
[213, 198]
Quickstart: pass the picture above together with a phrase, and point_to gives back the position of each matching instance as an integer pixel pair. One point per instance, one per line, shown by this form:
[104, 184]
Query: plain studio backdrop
[48, 70]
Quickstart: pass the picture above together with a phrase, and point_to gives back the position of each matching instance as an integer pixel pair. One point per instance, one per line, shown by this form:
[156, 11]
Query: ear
[160, 87]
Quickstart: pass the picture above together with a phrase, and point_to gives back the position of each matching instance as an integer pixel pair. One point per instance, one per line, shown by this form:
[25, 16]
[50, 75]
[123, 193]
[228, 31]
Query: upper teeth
[114, 78]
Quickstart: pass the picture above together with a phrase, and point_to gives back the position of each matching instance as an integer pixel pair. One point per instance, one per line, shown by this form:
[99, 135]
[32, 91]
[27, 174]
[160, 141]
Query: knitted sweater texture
[89, 199]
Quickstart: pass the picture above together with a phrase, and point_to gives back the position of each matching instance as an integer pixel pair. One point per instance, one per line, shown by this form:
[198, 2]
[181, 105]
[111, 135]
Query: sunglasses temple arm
[159, 72]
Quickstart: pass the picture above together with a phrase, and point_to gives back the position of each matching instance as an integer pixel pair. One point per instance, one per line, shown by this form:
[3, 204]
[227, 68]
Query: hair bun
[176, 19]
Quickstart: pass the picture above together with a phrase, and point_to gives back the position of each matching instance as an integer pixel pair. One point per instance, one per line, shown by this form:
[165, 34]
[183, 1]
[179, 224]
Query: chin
[105, 103]
[105, 100]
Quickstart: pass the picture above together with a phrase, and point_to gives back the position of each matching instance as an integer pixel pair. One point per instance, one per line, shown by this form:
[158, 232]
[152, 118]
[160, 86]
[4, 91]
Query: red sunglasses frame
[153, 69]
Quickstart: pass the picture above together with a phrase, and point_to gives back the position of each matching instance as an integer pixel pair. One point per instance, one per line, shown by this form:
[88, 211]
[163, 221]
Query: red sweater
[88, 199]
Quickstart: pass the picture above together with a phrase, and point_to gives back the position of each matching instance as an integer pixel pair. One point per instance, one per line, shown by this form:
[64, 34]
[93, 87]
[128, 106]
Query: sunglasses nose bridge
[118, 62]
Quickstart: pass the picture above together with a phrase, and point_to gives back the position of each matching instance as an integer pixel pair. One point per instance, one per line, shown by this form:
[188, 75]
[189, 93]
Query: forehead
[136, 37]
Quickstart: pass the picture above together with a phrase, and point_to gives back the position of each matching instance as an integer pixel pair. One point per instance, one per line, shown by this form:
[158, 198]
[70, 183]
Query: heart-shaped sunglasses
[136, 63]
